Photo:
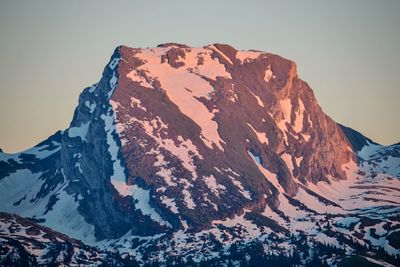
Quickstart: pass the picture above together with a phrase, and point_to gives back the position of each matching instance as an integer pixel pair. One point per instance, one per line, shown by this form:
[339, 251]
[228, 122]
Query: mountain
[182, 154]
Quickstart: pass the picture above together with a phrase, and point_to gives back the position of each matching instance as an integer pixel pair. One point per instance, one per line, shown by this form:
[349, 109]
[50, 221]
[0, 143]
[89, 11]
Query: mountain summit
[201, 150]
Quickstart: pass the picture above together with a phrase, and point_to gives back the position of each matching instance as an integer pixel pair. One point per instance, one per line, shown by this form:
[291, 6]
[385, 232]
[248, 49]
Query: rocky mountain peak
[168, 113]
[208, 132]
[216, 80]
[177, 141]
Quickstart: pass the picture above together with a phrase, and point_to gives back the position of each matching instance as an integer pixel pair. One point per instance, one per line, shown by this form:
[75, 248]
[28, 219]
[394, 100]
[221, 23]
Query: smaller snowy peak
[381, 159]
[357, 140]
[370, 150]
[375, 158]
[41, 151]
[373, 150]
[31, 244]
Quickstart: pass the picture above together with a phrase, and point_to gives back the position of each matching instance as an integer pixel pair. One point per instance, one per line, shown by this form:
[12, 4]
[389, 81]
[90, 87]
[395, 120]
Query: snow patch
[313, 203]
[262, 137]
[23, 186]
[259, 101]
[90, 106]
[170, 203]
[368, 151]
[64, 217]
[267, 174]
[298, 124]
[134, 76]
[137, 103]
[211, 182]
[114, 79]
[185, 85]
[187, 197]
[164, 171]
[40, 152]
[286, 108]
[249, 227]
[287, 158]
[247, 56]
[118, 178]
[93, 88]
[80, 131]
[268, 75]
[114, 63]
[298, 161]
[185, 150]
[239, 185]
[347, 221]
[142, 202]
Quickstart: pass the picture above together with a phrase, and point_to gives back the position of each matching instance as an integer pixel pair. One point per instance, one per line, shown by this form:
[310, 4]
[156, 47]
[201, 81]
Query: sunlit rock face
[175, 143]
[188, 117]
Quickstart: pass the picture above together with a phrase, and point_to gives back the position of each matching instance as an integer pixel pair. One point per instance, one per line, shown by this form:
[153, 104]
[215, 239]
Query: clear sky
[348, 51]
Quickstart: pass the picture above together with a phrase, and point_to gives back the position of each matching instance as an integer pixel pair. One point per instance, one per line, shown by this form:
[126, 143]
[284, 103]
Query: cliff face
[189, 117]
[175, 139]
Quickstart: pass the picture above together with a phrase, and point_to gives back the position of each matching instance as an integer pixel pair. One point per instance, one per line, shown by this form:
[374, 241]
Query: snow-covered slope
[202, 150]
[25, 243]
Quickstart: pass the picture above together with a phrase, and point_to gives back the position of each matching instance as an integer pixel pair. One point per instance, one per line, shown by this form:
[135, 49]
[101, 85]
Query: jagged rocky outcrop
[181, 142]
[25, 243]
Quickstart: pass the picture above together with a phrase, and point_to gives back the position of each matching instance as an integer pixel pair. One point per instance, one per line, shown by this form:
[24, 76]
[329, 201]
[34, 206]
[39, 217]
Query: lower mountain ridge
[210, 156]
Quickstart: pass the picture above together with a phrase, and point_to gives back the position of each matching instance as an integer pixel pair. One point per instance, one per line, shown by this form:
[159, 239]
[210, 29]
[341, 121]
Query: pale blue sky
[348, 51]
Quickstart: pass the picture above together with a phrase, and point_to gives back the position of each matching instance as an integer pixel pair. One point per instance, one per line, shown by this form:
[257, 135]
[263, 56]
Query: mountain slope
[25, 243]
[176, 144]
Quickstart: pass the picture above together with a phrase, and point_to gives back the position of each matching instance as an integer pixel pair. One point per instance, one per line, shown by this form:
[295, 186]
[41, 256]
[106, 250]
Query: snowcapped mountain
[182, 154]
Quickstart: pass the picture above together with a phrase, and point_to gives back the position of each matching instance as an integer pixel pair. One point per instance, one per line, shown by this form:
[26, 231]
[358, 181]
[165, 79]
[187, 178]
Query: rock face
[175, 139]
